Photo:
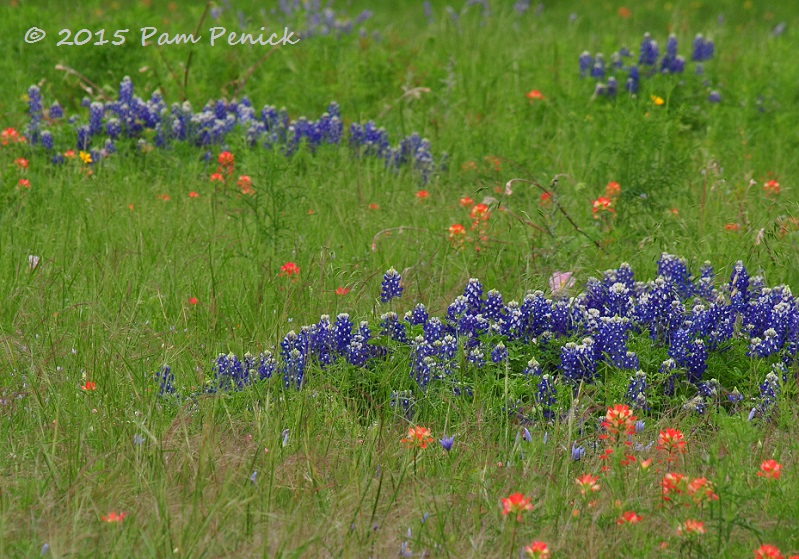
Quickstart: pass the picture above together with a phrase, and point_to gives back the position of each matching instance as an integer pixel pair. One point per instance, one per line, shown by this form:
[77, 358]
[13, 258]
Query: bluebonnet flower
[419, 315]
[473, 292]
[586, 63]
[46, 140]
[766, 346]
[476, 357]
[493, 306]
[633, 78]
[84, 137]
[769, 393]
[403, 402]
[391, 287]
[696, 405]
[578, 361]
[636, 391]
[433, 329]
[598, 69]
[533, 368]
[545, 396]
[267, 365]
[649, 51]
[96, 111]
[739, 285]
[710, 390]
[391, 326]
[735, 397]
[499, 354]
[714, 97]
[165, 379]
[703, 49]
[521, 6]
[126, 91]
[342, 332]
[357, 351]
[55, 111]
[428, 12]
[612, 87]
[294, 369]
[35, 111]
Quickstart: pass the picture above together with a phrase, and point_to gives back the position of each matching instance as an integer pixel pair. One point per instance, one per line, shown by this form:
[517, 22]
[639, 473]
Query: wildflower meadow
[372, 279]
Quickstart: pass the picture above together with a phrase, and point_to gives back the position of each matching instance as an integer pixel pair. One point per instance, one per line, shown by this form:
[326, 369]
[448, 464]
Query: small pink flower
[561, 281]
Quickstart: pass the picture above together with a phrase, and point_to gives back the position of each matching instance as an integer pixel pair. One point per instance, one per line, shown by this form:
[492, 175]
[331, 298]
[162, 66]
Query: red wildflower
[113, 517]
[89, 386]
[24, 183]
[672, 441]
[21, 162]
[535, 95]
[421, 194]
[469, 166]
[418, 437]
[628, 517]
[624, 12]
[673, 483]
[612, 189]
[226, 159]
[480, 212]
[768, 551]
[466, 202]
[217, 177]
[701, 489]
[245, 184]
[602, 204]
[289, 269]
[10, 135]
[456, 230]
[690, 527]
[342, 290]
[732, 226]
[619, 420]
[193, 194]
[164, 197]
[770, 469]
[374, 207]
[537, 550]
[516, 503]
[493, 161]
[545, 199]
[771, 187]
[586, 483]
[193, 300]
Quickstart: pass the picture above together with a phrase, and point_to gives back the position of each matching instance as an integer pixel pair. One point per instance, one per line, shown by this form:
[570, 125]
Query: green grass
[109, 300]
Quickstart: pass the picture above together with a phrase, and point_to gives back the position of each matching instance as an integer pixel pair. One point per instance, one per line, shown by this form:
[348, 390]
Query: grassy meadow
[168, 388]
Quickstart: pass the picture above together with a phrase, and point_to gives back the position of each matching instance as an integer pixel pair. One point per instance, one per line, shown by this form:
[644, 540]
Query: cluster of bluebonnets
[624, 67]
[314, 18]
[578, 339]
[131, 118]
